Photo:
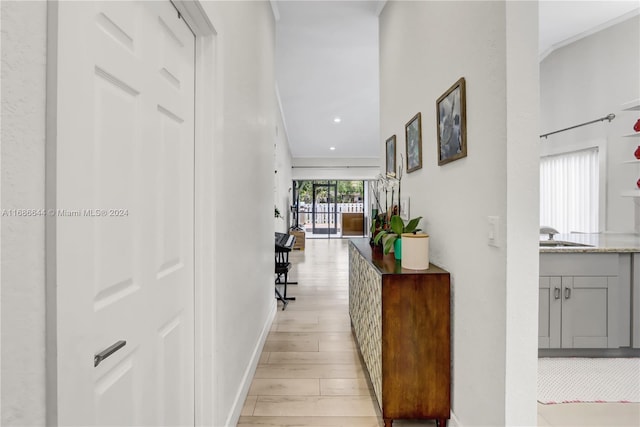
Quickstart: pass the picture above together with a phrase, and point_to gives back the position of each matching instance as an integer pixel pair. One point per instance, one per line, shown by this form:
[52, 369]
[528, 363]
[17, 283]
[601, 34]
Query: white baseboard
[454, 421]
[238, 402]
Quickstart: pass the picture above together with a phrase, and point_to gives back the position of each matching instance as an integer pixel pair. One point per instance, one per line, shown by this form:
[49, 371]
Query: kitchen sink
[561, 243]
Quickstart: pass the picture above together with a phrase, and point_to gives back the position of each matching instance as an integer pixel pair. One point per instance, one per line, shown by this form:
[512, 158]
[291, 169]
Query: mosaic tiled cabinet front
[401, 320]
[365, 309]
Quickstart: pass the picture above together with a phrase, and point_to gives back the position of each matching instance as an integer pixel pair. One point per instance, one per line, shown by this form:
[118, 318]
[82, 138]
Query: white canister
[415, 251]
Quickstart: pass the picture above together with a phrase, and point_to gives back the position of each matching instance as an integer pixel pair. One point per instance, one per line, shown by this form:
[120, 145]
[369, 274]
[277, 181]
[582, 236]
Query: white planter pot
[415, 251]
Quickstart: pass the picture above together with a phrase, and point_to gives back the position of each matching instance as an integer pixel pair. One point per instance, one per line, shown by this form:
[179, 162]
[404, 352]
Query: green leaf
[389, 243]
[376, 240]
[397, 225]
[413, 224]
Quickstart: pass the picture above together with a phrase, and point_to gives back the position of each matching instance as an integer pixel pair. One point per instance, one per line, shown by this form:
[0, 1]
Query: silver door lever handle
[98, 358]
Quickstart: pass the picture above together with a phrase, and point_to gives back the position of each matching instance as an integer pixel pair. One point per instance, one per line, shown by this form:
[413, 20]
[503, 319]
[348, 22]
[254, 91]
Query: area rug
[570, 380]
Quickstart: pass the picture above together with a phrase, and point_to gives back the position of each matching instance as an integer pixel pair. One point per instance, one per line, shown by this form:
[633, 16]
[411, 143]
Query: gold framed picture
[452, 123]
[413, 134]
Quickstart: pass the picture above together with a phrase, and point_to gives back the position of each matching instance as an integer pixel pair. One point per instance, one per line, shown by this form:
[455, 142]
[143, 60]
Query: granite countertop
[598, 242]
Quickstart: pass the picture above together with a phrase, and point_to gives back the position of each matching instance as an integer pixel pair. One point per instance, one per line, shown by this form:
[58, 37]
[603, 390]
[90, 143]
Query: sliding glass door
[329, 208]
[324, 216]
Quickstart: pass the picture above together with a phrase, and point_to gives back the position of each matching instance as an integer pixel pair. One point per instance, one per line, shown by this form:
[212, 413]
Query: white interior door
[124, 227]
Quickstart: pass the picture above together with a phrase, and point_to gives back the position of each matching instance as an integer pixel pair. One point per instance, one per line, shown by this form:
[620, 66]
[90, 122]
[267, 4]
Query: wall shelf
[631, 105]
[630, 193]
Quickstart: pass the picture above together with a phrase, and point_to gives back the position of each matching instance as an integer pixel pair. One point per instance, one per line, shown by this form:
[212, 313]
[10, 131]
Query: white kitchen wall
[245, 121]
[23, 263]
[589, 79]
[424, 48]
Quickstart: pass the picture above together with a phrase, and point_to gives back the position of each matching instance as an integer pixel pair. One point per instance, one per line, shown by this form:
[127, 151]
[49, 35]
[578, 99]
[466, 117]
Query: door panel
[115, 385]
[549, 317]
[544, 298]
[115, 117]
[585, 312]
[124, 263]
[169, 188]
[170, 356]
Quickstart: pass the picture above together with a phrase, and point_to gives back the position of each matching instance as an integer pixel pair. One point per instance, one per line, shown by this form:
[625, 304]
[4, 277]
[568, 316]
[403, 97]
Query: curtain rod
[333, 167]
[608, 117]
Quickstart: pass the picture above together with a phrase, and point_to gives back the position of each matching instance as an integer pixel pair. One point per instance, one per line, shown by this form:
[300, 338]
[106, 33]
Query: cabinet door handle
[567, 293]
[556, 293]
[98, 358]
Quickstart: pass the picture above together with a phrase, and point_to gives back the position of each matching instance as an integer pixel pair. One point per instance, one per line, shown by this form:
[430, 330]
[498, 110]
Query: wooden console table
[401, 321]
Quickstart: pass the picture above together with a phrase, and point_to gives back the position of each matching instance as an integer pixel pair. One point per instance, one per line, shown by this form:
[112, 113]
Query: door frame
[329, 185]
[207, 101]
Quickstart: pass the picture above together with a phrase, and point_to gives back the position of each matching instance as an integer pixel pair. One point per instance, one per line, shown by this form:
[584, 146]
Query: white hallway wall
[245, 120]
[283, 192]
[424, 48]
[588, 79]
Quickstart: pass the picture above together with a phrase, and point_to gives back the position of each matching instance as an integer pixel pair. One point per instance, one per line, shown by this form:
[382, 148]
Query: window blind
[569, 191]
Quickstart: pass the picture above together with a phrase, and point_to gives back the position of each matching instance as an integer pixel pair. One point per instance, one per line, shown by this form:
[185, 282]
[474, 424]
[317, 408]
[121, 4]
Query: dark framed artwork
[391, 156]
[452, 123]
[413, 134]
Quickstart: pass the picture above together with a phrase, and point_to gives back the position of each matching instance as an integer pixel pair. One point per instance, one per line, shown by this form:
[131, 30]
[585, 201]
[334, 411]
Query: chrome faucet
[550, 231]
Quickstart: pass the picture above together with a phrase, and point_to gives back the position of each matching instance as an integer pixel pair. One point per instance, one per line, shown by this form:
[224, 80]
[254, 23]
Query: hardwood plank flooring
[310, 373]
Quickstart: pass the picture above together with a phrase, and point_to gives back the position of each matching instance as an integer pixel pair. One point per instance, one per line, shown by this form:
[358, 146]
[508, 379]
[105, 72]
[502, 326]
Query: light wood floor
[310, 373]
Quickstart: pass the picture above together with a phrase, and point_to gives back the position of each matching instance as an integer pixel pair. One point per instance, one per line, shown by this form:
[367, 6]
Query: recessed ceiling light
[332, 148]
[337, 119]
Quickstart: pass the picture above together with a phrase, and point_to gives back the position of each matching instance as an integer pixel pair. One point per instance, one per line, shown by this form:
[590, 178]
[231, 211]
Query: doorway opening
[329, 209]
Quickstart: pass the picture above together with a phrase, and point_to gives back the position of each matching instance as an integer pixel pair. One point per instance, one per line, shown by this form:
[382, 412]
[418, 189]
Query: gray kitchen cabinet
[584, 300]
[589, 312]
[549, 320]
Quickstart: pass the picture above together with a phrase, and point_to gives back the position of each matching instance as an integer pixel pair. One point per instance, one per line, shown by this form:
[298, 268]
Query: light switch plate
[494, 226]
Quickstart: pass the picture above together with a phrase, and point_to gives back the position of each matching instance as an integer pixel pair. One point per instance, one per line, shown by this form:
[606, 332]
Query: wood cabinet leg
[388, 422]
[441, 422]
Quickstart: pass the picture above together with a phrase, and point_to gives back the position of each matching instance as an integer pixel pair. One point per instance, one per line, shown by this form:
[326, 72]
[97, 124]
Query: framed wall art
[413, 134]
[391, 156]
[452, 123]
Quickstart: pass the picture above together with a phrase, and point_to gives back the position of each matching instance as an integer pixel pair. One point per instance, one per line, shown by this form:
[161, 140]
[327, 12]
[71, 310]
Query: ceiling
[327, 66]
[562, 22]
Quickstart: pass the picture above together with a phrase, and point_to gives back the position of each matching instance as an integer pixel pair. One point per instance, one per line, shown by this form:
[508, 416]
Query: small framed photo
[413, 133]
[391, 156]
[452, 123]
